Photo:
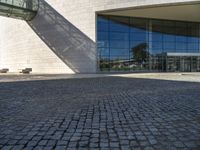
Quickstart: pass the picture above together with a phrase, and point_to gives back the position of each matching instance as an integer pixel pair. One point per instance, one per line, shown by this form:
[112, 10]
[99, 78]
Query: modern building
[90, 36]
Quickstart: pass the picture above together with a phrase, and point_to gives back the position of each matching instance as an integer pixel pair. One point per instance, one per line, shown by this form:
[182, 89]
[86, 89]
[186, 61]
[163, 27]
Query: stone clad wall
[22, 48]
[61, 39]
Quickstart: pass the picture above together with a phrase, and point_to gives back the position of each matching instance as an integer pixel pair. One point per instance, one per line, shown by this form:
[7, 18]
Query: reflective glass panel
[140, 44]
[22, 9]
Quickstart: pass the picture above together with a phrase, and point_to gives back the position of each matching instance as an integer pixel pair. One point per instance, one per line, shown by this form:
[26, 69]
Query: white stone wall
[21, 48]
[61, 39]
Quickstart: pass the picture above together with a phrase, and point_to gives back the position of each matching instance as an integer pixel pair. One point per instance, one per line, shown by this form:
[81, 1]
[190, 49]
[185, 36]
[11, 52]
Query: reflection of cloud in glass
[141, 44]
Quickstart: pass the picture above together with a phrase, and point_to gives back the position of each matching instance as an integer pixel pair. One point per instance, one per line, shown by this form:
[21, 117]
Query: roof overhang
[181, 12]
[183, 54]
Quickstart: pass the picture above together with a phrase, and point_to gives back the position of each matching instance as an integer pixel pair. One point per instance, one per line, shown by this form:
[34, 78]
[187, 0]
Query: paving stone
[190, 144]
[144, 143]
[125, 148]
[93, 145]
[114, 144]
[105, 148]
[134, 144]
[32, 143]
[73, 144]
[83, 143]
[38, 148]
[3, 141]
[60, 148]
[51, 143]
[103, 145]
[18, 147]
[28, 148]
[62, 142]
[179, 144]
[6, 147]
[48, 148]
[148, 148]
[43, 142]
[152, 141]
[107, 113]
[12, 142]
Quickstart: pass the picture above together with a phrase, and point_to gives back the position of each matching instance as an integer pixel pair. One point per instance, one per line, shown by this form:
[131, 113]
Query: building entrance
[182, 63]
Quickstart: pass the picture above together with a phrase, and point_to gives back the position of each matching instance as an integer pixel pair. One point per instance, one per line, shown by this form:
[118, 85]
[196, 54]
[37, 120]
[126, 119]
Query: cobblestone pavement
[100, 113]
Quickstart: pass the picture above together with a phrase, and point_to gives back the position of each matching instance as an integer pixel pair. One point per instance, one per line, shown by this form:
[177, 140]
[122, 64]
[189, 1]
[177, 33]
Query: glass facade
[22, 9]
[139, 44]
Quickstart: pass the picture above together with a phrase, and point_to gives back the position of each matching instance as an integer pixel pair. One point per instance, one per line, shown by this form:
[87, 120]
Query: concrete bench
[4, 70]
[26, 70]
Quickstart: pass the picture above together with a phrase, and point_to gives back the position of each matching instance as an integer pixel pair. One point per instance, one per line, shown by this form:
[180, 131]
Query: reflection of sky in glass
[120, 35]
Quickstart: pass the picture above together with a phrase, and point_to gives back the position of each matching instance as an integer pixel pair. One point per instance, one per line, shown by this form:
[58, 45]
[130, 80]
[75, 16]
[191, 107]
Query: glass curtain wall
[139, 44]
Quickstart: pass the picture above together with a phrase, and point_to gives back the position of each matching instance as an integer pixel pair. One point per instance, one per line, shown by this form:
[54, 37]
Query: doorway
[182, 64]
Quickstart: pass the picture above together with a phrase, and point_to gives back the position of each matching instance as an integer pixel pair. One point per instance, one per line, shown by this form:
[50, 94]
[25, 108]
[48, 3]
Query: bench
[4, 70]
[26, 70]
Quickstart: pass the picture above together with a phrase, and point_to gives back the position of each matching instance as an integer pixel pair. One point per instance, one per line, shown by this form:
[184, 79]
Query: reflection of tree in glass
[104, 64]
[140, 52]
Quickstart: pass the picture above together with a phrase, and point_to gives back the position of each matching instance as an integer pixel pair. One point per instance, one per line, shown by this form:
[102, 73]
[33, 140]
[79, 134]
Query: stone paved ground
[100, 113]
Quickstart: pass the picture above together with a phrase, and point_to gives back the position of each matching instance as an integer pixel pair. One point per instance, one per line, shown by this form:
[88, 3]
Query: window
[128, 43]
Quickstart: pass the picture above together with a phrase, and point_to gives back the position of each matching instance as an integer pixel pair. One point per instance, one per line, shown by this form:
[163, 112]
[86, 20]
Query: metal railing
[21, 9]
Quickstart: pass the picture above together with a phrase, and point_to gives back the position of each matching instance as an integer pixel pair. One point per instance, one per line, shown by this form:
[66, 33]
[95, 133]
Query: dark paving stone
[100, 113]
[6, 147]
[60, 148]
[43, 142]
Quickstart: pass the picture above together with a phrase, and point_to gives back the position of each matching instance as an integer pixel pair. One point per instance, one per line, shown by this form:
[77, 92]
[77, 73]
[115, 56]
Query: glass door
[177, 64]
[194, 62]
[187, 64]
[171, 64]
[182, 64]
